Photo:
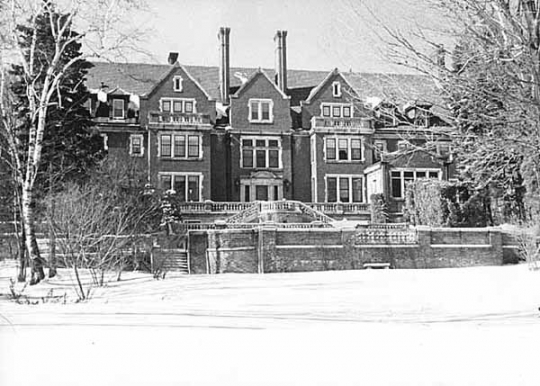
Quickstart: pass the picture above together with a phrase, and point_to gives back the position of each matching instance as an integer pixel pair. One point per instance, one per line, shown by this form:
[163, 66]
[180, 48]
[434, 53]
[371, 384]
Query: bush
[441, 203]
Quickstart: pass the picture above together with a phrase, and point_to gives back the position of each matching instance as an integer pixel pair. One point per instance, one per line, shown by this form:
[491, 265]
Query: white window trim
[267, 148]
[340, 105]
[350, 177]
[185, 134]
[186, 174]
[141, 137]
[259, 110]
[123, 108]
[349, 149]
[183, 100]
[336, 89]
[181, 80]
[414, 170]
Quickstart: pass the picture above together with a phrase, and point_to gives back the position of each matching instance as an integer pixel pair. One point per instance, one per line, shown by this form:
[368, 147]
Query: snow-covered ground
[473, 326]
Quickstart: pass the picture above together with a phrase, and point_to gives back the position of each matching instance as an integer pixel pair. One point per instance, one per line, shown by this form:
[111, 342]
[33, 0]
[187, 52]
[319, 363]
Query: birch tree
[104, 34]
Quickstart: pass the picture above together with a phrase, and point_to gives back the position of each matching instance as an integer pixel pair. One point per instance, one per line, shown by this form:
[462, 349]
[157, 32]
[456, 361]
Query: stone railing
[339, 208]
[116, 120]
[313, 212]
[248, 214]
[342, 123]
[236, 207]
[188, 119]
[385, 236]
[253, 225]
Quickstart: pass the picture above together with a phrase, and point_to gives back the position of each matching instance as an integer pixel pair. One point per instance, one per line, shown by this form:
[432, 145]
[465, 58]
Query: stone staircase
[174, 260]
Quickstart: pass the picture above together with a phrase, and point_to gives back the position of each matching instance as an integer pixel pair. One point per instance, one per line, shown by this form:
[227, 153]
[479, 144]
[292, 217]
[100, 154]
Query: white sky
[322, 34]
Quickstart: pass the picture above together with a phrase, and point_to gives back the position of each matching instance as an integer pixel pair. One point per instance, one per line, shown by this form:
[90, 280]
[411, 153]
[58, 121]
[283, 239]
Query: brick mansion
[231, 134]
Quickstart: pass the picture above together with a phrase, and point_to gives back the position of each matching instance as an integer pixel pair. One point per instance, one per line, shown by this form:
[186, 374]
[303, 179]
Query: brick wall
[272, 249]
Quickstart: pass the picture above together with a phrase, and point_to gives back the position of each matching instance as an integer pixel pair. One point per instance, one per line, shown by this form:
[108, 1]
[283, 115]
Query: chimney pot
[224, 65]
[173, 57]
[281, 59]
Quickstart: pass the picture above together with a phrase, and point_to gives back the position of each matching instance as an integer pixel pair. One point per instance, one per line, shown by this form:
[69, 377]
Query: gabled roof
[252, 79]
[140, 78]
[173, 69]
[321, 85]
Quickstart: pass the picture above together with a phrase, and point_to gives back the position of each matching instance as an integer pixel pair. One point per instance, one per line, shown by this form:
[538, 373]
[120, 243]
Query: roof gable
[259, 74]
[334, 74]
[174, 69]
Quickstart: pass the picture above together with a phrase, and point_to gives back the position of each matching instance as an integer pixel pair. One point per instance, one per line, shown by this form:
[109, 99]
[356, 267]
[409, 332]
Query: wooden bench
[377, 265]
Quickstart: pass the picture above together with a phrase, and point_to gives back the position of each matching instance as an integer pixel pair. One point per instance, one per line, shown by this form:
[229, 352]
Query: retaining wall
[271, 249]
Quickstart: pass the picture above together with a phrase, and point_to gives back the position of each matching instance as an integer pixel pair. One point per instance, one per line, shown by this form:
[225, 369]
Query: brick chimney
[281, 59]
[173, 57]
[224, 64]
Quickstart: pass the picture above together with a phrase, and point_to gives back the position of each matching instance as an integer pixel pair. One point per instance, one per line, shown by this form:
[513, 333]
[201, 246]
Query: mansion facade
[225, 134]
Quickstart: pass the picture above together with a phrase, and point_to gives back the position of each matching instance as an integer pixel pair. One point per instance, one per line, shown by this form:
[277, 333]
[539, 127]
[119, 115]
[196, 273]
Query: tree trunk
[28, 217]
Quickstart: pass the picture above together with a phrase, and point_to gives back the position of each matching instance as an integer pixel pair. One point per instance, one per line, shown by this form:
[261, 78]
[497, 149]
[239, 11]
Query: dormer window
[118, 109]
[260, 110]
[336, 89]
[177, 83]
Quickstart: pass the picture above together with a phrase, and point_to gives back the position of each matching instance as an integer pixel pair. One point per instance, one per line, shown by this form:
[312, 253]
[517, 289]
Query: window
[344, 188]
[178, 105]
[166, 146]
[331, 189]
[166, 106]
[260, 110]
[193, 146]
[180, 146]
[342, 148]
[118, 109]
[177, 83]
[336, 89]
[136, 148]
[356, 149]
[261, 153]
[187, 187]
[336, 110]
[326, 111]
[379, 147]
[330, 149]
[400, 178]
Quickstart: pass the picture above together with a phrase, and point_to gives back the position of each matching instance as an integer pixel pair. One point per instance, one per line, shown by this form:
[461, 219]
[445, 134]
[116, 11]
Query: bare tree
[103, 35]
[489, 82]
[97, 225]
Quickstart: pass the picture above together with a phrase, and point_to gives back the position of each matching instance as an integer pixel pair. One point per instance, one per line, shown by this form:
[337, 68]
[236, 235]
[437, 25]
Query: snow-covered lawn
[474, 326]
